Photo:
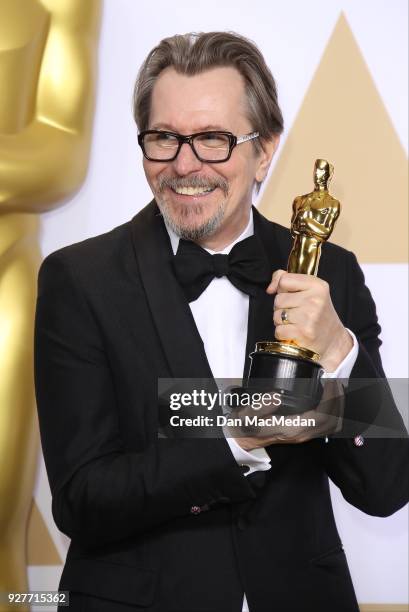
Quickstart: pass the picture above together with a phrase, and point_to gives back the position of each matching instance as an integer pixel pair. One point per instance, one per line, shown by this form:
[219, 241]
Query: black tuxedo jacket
[111, 319]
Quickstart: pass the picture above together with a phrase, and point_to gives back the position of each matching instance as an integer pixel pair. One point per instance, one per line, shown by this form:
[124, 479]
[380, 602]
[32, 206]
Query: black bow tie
[246, 267]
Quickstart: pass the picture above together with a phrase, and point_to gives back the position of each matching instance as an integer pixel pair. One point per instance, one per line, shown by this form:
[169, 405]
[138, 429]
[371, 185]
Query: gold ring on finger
[284, 317]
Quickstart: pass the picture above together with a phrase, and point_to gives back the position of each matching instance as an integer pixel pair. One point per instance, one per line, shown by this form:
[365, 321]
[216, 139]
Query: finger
[275, 279]
[287, 332]
[299, 438]
[301, 329]
[333, 425]
[285, 316]
[288, 300]
[300, 282]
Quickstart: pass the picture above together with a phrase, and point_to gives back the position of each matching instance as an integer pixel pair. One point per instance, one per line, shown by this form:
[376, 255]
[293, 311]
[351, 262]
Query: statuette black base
[297, 380]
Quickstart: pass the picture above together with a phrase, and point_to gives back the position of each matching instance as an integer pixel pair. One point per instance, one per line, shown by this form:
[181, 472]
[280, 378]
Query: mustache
[197, 182]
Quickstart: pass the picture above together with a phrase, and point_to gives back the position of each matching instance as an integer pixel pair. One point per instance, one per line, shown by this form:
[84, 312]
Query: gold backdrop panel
[48, 52]
[41, 549]
[47, 107]
[343, 118]
[21, 50]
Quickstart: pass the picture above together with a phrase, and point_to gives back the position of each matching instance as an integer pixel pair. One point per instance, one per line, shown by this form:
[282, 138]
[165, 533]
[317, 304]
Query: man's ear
[268, 148]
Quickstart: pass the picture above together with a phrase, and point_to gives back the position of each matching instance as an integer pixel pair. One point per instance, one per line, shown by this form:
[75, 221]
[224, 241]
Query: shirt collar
[248, 231]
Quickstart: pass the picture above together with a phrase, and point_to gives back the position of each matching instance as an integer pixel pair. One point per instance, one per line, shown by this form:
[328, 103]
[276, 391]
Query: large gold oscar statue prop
[47, 79]
[295, 369]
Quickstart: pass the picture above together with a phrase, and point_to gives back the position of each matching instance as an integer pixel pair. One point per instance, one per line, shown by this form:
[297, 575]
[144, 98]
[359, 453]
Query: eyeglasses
[209, 147]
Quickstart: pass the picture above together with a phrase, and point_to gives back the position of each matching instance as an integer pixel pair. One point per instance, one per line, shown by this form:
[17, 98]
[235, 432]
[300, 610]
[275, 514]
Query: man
[179, 524]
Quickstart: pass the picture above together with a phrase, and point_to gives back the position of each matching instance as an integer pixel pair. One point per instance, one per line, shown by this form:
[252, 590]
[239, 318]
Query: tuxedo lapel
[260, 319]
[177, 331]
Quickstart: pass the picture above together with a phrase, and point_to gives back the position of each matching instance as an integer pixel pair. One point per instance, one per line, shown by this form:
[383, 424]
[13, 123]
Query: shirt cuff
[256, 460]
[345, 367]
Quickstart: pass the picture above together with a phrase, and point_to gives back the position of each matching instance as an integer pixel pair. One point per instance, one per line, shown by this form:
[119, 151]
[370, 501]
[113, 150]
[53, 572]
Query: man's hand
[326, 419]
[312, 320]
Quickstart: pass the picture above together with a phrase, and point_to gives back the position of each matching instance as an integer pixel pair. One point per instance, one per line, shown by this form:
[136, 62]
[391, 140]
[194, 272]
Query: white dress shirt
[221, 315]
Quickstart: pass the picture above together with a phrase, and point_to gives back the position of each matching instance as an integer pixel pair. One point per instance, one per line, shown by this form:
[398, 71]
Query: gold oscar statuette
[313, 220]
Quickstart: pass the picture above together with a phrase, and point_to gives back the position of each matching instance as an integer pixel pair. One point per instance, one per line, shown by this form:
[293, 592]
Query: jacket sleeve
[101, 492]
[373, 476]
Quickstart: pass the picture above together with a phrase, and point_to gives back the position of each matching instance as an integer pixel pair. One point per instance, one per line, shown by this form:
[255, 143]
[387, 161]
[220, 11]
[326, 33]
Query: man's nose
[186, 162]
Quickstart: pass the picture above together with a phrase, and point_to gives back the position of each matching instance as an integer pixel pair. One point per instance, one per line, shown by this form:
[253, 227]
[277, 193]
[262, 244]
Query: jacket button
[195, 510]
[359, 441]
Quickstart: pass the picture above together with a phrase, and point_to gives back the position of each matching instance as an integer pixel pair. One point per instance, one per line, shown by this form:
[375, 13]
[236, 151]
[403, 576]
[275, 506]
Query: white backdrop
[292, 35]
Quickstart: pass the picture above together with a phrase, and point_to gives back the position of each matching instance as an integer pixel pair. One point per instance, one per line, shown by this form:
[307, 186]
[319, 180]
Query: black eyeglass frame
[188, 139]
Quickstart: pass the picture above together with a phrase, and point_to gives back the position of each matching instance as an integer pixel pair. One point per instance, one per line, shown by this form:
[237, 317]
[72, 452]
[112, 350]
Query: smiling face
[204, 202]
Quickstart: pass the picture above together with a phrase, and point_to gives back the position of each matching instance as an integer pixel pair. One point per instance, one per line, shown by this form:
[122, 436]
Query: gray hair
[194, 53]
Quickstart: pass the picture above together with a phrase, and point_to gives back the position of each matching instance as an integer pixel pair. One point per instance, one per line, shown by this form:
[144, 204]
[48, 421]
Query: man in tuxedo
[185, 289]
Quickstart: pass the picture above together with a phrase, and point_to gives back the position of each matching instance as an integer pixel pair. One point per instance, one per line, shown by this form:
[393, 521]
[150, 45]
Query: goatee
[182, 221]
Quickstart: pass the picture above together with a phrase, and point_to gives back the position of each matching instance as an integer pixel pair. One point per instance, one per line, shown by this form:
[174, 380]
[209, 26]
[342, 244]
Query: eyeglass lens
[212, 146]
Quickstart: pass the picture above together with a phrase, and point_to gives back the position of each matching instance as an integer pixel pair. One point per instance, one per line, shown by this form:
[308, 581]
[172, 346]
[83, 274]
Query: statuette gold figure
[312, 222]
